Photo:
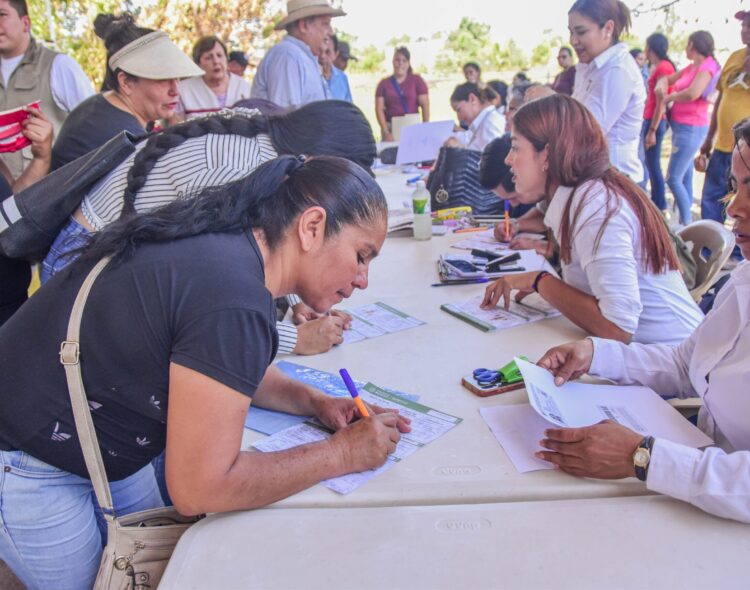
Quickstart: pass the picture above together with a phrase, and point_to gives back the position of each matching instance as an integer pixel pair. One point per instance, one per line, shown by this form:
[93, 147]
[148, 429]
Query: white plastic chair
[712, 245]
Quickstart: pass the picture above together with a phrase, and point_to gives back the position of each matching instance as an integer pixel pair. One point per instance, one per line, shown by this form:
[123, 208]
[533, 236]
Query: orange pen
[507, 220]
[354, 393]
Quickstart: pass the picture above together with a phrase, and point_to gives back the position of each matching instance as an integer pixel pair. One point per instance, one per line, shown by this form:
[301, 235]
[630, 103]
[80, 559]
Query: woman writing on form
[620, 276]
[177, 338]
[712, 364]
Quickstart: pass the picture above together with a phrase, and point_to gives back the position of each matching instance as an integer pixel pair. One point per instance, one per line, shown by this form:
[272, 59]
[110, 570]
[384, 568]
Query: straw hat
[154, 57]
[299, 9]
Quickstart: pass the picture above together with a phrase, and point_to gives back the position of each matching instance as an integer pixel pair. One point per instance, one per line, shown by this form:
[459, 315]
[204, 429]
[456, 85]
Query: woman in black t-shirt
[177, 336]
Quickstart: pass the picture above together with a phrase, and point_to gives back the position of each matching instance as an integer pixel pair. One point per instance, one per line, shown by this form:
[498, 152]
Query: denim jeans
[716, 186]
[686, 140]
[71, 237]
[51, 535]
[653, 163]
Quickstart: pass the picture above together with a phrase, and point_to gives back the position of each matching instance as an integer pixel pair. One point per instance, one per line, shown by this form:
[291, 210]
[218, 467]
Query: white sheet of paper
[377, 319]
[422, 142]
[582, 404]
[518, 429]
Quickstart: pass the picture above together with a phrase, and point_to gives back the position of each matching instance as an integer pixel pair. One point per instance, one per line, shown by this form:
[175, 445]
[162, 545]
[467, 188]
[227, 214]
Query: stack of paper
[427, 425]
[519, 428]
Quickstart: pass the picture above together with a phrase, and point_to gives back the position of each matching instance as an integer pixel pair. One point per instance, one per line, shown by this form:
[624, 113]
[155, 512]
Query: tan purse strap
[70, 351]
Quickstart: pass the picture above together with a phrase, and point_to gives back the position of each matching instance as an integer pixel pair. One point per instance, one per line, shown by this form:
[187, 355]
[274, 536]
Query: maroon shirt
[411, 88]
[564, 81]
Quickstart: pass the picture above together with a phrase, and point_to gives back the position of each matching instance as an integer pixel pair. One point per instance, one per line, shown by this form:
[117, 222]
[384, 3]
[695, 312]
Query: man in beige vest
[31, 72]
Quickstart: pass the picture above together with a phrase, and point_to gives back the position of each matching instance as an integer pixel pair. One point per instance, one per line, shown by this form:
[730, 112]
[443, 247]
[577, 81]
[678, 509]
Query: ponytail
[269, 199]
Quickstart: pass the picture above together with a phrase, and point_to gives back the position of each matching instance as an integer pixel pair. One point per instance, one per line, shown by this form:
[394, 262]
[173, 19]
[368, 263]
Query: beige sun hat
[299, 9]
[154, 57]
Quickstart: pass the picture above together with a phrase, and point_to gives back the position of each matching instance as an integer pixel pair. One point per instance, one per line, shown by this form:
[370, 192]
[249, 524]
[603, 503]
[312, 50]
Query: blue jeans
[716, 186]
[686, 140]
[51, 535]
[71, 237]
[653, 163]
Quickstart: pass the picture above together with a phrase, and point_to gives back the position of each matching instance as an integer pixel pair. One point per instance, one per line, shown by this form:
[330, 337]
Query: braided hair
[269, 199]
[324, 128]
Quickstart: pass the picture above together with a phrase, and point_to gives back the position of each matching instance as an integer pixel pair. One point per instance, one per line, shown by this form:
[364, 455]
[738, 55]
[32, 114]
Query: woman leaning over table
[217, 88]
[607, 79]
[141, 87]
[401, 94]
[689, 115]
[712, 363]
[177, 339]
[476, 112]
[620, 276]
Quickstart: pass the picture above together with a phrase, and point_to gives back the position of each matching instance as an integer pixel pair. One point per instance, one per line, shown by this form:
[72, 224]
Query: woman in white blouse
[712, 363]
[608, 80]
[620, 274]
[217, 88]
[475, 109]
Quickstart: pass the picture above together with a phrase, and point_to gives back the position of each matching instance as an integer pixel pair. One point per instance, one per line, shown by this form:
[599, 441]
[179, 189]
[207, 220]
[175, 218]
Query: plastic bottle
[420, 201]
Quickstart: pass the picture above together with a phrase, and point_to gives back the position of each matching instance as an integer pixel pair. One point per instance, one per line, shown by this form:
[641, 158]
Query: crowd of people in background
[266, 188]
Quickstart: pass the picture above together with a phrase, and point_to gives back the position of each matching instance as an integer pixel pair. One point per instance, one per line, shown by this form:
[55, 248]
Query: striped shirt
[197, 163]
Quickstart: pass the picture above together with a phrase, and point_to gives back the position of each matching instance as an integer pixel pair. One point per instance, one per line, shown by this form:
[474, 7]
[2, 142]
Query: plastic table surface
[466, 465]
[643, 542]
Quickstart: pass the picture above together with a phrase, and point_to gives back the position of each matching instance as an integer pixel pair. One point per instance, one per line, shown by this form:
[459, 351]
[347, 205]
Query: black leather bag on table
[31, 220]
[454, 182]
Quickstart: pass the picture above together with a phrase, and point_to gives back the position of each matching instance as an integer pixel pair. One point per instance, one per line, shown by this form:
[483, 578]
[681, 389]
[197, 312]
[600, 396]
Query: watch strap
[641, 472]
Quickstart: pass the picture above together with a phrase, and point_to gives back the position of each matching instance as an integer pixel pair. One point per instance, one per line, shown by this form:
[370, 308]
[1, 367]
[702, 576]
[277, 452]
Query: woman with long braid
[211, 151]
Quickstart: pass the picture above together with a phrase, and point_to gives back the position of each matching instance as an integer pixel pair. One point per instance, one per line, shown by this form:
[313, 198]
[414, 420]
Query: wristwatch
[642, 457]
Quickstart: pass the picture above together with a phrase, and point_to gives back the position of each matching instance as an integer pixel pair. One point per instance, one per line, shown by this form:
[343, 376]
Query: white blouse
[714, 364]
[652, 307]
[611, 87]
[487, 125]
[197, 99]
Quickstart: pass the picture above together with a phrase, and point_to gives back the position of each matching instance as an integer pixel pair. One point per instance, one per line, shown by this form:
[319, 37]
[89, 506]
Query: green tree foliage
[508, 57]
[244, 24]
[371, 60]
[469, 42]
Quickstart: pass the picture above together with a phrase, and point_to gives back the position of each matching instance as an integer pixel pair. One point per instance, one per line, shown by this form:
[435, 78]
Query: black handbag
[454, 182]
[31, 220]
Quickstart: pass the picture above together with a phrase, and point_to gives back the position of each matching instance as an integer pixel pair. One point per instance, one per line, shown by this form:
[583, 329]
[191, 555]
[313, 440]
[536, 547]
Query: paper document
[427, 425]
[497, 318]
[422, 142]
[377, 319]
[486, 241]
[270, 421]
[575, 405]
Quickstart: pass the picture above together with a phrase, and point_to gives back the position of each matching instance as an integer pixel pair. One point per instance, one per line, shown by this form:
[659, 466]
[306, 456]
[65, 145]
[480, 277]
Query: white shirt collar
[614, 52]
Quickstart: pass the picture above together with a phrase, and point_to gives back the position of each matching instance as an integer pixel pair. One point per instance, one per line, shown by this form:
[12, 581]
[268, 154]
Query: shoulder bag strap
[402, 98]
[70, 358]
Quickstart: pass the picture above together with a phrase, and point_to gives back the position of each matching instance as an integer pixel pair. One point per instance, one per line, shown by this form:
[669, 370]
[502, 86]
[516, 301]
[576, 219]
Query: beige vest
[30, 81]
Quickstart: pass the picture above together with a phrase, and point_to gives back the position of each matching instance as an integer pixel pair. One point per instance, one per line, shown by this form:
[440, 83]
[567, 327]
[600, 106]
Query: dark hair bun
[108, 25]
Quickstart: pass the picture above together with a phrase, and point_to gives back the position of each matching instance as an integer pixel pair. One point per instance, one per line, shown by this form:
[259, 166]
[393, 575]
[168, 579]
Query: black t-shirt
[89, 126]
[15, 274]
[200, 302]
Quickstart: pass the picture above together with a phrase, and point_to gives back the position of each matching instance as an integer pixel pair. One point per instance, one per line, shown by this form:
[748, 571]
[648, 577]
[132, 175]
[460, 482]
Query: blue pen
[415, 179]
[354, 393]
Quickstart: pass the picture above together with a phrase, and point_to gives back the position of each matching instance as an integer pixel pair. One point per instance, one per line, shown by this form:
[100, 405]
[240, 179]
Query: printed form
[377, 319]
[519, 428]
[427, 424]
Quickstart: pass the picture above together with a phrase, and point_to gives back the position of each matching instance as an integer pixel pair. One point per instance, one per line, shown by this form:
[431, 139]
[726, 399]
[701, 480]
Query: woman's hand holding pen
[338, 412]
